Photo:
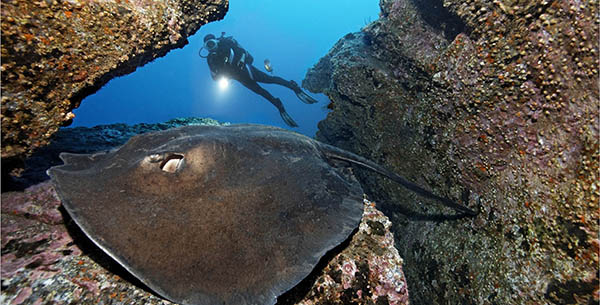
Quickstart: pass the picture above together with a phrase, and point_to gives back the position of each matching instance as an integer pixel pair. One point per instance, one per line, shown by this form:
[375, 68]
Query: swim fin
[305, 98]
[287, 119]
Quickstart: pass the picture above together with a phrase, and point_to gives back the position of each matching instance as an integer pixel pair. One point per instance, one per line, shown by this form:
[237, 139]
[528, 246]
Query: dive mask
[210, 45]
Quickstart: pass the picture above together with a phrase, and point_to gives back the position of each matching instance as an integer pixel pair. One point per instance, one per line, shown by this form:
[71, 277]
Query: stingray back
[247, 215]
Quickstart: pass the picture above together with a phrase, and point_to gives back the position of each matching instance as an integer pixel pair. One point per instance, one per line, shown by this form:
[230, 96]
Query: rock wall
[56, 52]
[495, 105]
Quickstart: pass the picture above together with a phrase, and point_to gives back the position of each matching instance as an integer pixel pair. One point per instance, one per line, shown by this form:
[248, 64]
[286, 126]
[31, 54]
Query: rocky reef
[56, 52]
[367, 271]
[46, 258]
[495, 105]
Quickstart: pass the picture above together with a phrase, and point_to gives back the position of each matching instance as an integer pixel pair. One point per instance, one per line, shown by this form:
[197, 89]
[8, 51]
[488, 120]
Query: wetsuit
[231, 60]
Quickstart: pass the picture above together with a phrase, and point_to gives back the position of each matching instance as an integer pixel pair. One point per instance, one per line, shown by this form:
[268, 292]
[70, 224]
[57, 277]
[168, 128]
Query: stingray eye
[172, 163]
[153, 158]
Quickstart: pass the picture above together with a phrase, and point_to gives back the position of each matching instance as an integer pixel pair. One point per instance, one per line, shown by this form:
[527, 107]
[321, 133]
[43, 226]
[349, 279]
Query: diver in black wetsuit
[227, 58]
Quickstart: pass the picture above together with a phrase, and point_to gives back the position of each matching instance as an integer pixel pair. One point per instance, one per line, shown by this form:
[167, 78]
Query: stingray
[217, 214]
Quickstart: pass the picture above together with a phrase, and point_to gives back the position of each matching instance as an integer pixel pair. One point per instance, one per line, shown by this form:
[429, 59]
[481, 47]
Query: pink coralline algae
[38, 202]
[368, 271]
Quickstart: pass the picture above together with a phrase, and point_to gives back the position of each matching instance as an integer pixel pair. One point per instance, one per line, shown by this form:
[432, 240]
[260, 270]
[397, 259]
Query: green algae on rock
[55, 53]
[507, 113]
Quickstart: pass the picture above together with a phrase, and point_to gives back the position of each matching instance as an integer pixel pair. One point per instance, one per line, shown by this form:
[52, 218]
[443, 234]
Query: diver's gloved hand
[287, 118]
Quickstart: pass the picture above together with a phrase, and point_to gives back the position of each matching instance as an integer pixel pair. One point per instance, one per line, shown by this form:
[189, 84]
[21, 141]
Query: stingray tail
[339, 154]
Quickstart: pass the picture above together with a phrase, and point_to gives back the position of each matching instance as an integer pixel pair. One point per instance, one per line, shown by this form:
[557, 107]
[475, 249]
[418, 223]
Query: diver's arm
[214, 72]
[245, 57]
[249, 58]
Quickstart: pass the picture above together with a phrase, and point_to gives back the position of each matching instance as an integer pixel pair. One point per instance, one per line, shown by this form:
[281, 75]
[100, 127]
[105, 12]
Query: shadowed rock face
[55, 53]
[506, 113]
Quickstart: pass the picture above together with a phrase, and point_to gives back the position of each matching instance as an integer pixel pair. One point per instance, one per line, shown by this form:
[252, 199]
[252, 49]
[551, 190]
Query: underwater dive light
[223, 83]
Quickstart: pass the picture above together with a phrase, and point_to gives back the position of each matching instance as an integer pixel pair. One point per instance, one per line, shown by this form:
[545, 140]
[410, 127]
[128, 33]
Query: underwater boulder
[503, 111]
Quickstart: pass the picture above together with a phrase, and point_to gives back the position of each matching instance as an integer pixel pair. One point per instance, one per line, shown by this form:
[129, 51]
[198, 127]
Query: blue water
[294, 35]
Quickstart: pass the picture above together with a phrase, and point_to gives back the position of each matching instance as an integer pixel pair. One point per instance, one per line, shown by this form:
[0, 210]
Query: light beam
[223, 83]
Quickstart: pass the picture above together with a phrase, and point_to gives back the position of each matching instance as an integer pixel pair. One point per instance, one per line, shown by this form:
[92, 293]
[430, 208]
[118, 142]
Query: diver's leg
[263, 77]
[252, 85]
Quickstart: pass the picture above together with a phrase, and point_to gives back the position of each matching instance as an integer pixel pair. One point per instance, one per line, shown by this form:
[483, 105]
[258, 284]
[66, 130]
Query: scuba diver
[226, 58]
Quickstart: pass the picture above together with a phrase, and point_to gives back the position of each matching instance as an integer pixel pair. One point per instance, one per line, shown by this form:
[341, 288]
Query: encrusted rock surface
[45, 261]
[503, 116]
[56, 52]
[367, 271]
